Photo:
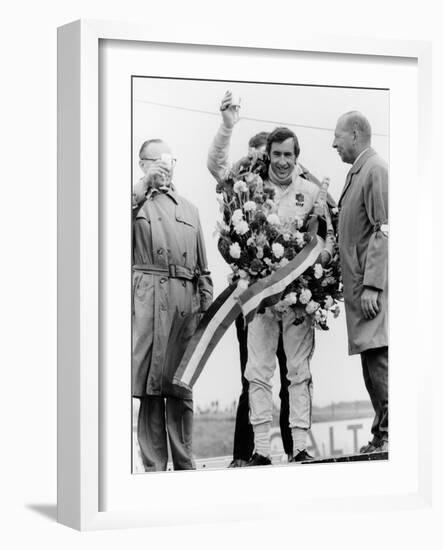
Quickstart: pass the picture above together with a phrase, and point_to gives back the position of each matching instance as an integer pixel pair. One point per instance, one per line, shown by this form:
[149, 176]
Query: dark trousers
[375, 374]
[160, 419]
[244, 434]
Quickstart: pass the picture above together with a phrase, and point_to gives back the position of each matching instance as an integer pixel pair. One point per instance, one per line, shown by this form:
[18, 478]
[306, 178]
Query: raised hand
[158, 174]
[230, 113]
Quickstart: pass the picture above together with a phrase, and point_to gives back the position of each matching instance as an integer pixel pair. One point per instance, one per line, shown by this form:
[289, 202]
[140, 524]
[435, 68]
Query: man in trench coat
[363, 245]
[171, 288]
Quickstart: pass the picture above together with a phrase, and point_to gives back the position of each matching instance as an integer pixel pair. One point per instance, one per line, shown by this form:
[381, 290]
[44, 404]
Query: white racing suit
[295, 200]
[298, 340]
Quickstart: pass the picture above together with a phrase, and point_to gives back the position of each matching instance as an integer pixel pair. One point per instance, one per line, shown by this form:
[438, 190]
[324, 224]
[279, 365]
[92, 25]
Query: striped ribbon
[233, 301]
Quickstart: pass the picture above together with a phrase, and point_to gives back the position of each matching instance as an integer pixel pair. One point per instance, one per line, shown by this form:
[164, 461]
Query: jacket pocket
[182, 216]
[142, 283]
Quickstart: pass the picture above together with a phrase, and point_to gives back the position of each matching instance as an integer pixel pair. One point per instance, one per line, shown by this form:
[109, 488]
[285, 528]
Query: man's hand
[369, 302]
[229, 112]
[324, 258]
[158, 174]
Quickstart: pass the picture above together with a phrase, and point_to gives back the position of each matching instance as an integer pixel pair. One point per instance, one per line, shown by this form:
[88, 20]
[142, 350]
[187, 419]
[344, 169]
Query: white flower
[280, 307]
[241, 227]
[299, 238]
[291, 298]
[237, 216]
[298, 222]
[271, 204]
[321, 315]
[235, 250]
[242, 284]
[278, 250]
[242, 274]
[329, 302]
[283, 262]
[286, 237]
[267, 261]
[250, 241]
[221, 227]
[318, 271]
[259, 252]
[240, 187]
[250, 206]
[261, 239]
[273, 219]
[305, 295]
[312, 307]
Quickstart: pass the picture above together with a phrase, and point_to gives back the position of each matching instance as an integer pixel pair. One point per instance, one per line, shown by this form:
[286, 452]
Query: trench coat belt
[173, 271]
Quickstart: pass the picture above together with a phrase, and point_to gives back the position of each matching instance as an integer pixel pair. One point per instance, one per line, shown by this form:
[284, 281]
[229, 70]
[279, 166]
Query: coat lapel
[355, 168]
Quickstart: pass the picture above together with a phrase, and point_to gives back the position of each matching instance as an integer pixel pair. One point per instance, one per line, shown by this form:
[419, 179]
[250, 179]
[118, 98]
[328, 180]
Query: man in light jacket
[363, 244]
[171, 287]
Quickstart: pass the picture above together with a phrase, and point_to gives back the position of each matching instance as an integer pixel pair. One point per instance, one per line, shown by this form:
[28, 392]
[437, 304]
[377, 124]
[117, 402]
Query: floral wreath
[255, 243]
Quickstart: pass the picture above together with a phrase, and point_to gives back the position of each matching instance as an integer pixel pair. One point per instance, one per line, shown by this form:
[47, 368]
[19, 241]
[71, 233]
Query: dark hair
[258, 140]
[146, 143]
[279, 135]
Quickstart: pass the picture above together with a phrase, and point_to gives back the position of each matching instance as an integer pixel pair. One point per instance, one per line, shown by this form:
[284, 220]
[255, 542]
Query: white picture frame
[79, 361]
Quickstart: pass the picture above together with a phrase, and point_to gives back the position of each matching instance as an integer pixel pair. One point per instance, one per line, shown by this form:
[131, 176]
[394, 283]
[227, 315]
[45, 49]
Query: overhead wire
[252, 119]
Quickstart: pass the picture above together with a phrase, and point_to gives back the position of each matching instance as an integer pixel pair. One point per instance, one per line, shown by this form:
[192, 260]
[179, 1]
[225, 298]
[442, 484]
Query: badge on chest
[299, 199]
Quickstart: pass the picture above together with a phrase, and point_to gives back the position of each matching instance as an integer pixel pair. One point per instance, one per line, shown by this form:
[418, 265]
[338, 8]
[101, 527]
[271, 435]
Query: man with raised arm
[295, 196]
[243, 447]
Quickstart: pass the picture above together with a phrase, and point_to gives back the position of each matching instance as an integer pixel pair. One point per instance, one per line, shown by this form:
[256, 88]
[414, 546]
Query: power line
[217, 113]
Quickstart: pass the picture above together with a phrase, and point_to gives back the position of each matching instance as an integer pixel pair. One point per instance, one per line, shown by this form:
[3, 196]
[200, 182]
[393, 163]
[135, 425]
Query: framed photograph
[155, 161]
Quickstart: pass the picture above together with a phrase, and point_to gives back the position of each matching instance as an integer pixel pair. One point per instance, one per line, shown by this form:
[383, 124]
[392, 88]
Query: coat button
[163, 280]
[160, 251]
[184, 283]
[183, 313]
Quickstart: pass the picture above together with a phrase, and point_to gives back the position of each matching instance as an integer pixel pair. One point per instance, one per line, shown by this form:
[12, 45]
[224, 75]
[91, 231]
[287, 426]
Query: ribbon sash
[214, 323]
[232, 301]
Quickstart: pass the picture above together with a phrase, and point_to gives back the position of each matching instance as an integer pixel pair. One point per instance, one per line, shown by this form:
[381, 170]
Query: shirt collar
[360, 155]
[150, 195]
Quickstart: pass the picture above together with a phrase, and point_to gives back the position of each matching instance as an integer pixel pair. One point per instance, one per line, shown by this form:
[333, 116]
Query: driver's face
[282, 157]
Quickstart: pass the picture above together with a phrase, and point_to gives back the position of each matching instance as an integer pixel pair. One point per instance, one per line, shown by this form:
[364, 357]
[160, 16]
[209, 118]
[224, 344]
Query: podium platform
[280, 459]
[349, 458]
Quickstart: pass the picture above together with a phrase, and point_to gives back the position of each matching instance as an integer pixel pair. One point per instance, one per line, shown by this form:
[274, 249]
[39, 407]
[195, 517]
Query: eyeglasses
[174, 161]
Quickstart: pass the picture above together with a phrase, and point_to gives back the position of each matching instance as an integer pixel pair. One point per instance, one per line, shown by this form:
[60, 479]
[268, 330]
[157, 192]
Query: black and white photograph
[259, 274]
[195, 349]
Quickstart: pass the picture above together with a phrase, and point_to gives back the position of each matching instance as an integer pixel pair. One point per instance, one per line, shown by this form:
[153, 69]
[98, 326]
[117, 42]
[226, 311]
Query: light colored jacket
[363, 245]
[171, 287]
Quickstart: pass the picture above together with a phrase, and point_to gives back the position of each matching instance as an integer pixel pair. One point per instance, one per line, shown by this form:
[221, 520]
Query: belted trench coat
[363, 245]
[171, 288]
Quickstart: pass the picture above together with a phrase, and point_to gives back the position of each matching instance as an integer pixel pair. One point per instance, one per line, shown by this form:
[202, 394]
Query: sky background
[185, 114]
